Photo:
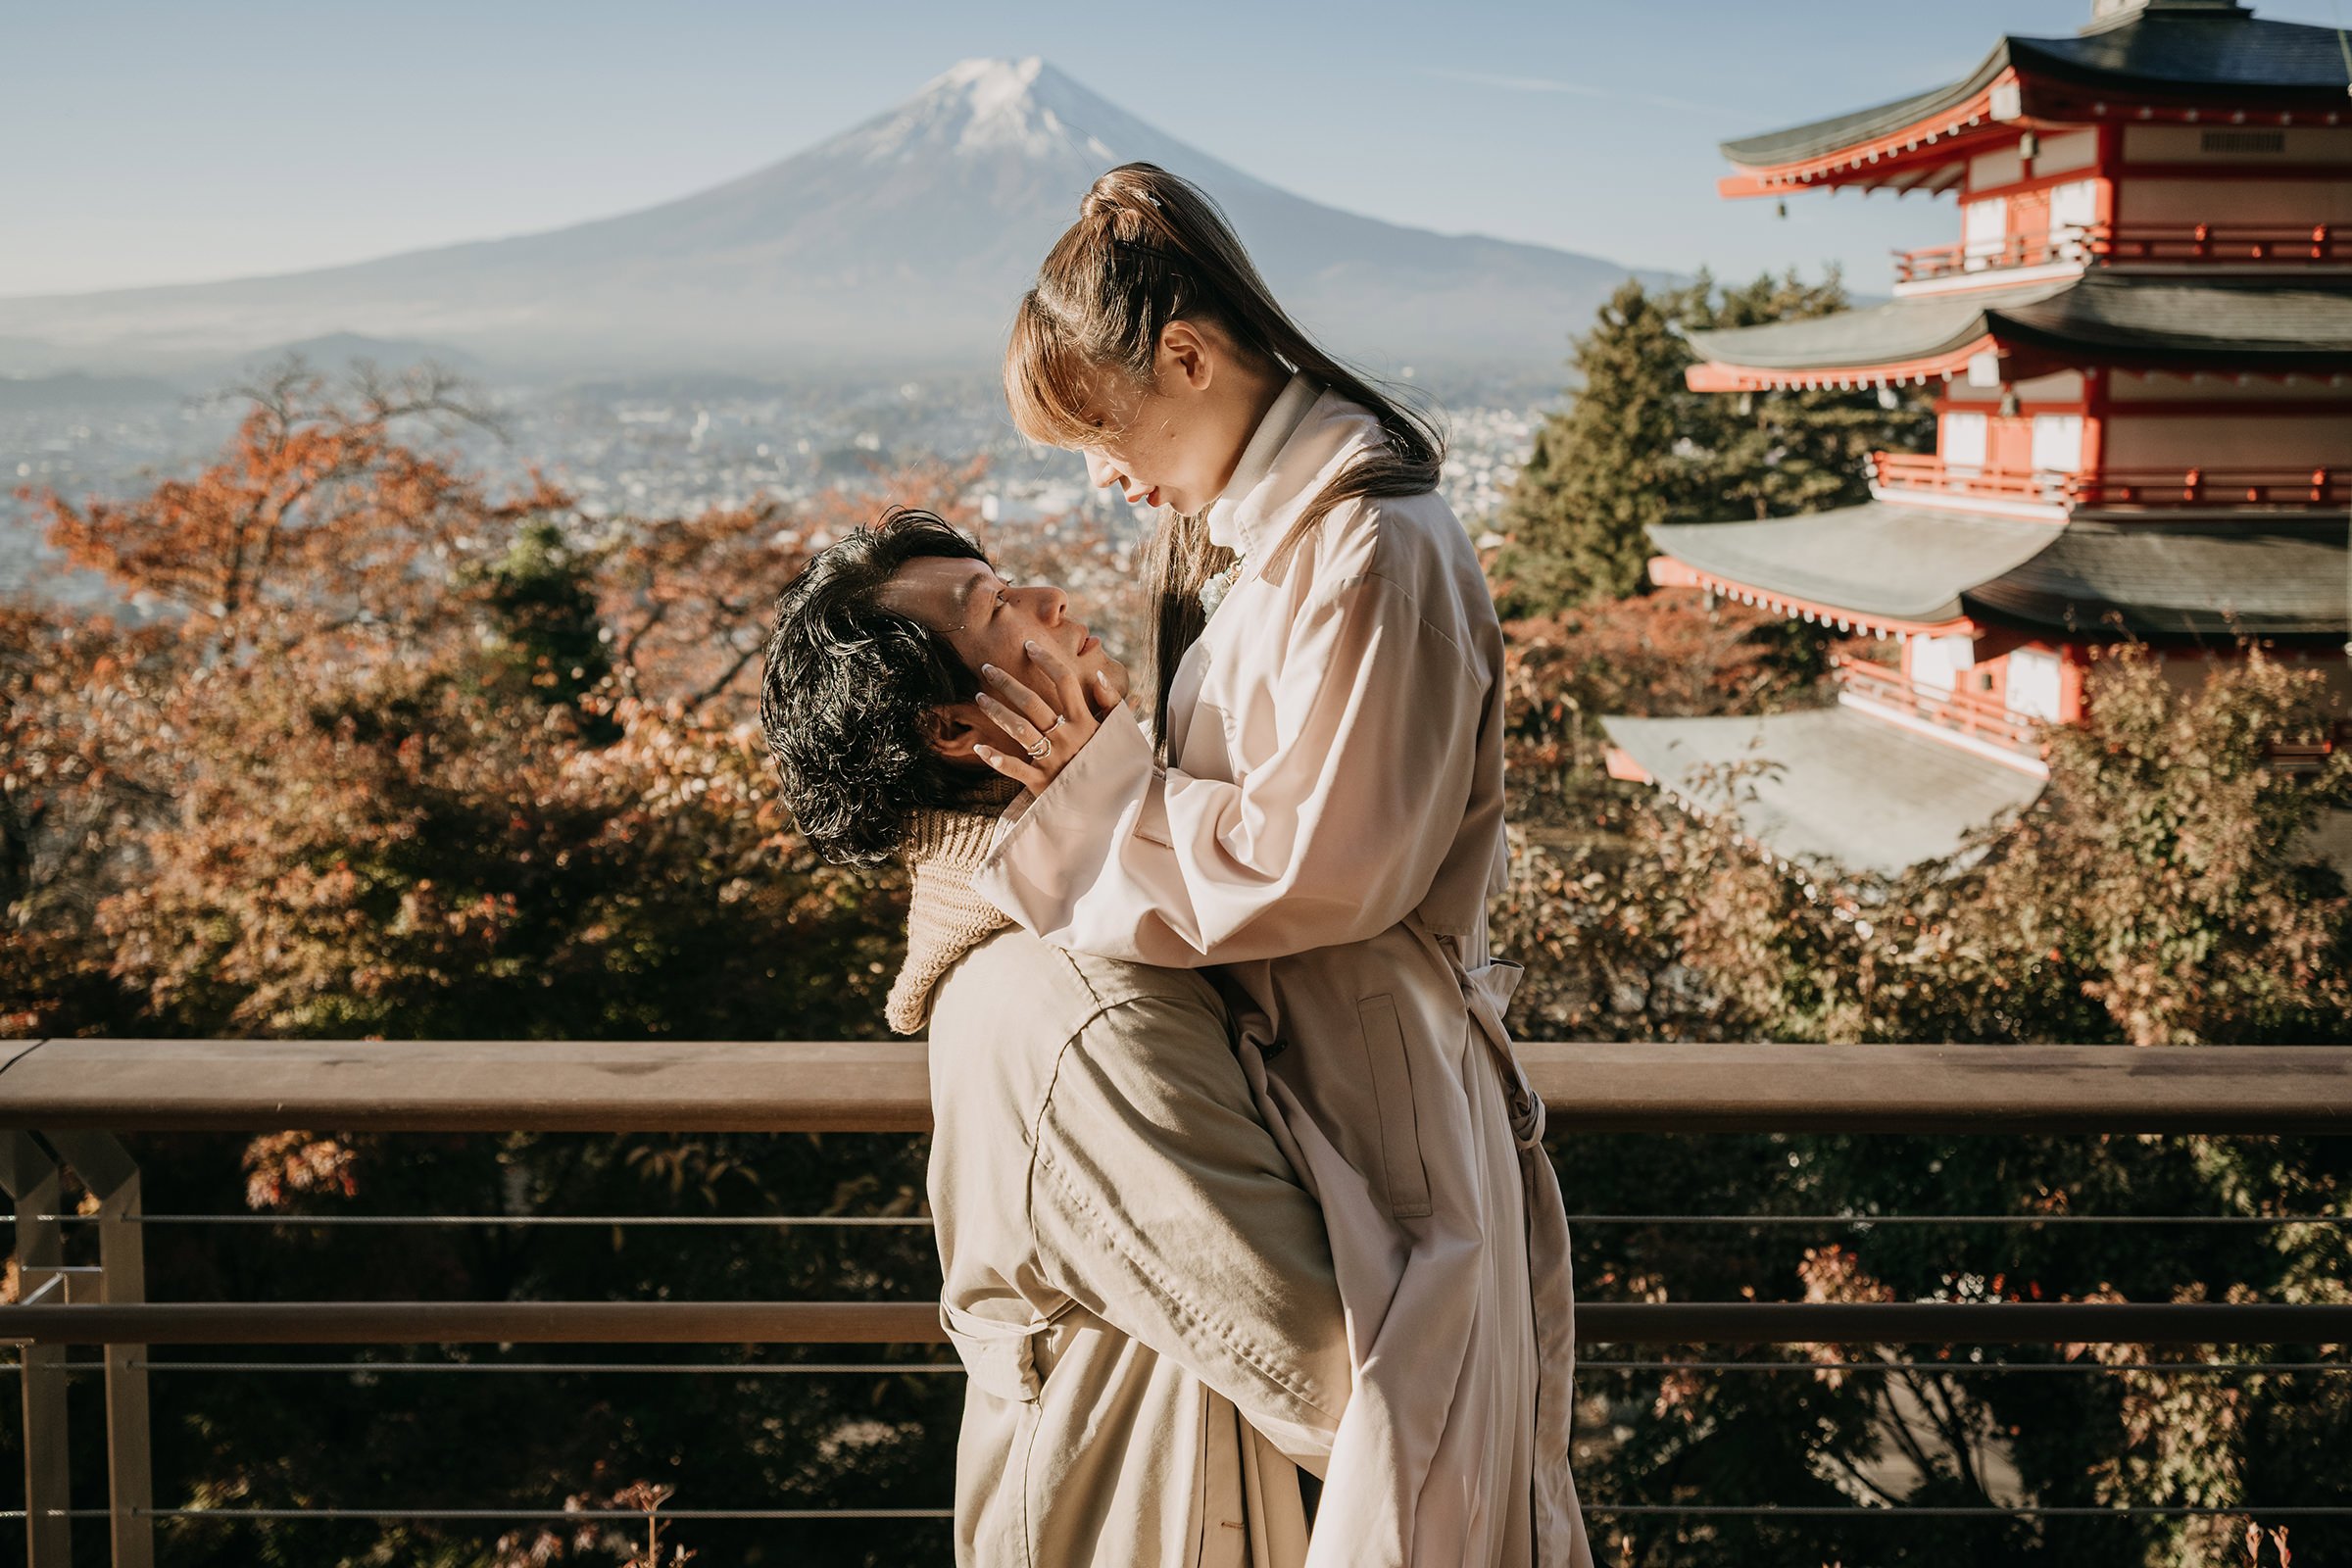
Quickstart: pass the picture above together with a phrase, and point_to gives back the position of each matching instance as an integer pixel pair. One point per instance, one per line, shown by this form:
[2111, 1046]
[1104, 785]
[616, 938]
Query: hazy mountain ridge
[904, 240]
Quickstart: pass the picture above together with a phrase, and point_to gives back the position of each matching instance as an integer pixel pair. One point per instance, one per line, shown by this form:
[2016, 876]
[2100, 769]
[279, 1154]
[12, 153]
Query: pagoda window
[1937, 662]
[1984, 232]
[2033, 683]
[2057, 443]
[1964, 440]
[2074, 213]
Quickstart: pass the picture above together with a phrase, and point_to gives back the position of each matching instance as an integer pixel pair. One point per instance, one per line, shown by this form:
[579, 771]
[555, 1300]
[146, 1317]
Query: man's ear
[1184, 351]
[953, 729]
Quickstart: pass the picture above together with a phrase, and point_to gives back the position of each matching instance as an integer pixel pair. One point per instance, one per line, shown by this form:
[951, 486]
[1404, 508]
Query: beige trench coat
[1328, 831]
[1135, 1279]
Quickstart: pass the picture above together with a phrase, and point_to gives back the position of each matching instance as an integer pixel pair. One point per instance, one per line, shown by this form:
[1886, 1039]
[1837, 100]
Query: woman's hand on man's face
[1064, 722]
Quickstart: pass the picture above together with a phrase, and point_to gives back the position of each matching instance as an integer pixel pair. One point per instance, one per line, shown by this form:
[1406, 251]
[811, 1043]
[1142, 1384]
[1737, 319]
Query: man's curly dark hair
[848, 687]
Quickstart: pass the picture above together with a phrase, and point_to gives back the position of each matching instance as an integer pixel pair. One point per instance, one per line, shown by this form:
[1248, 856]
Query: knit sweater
[945, 918]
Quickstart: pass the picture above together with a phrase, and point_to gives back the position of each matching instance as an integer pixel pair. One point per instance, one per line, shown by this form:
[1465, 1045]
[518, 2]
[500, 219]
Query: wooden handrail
[917, 1323]
[675, 1085]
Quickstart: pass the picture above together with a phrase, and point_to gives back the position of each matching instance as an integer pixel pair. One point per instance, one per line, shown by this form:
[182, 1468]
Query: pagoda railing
[1980, 716]
[2099, 244]
[2212, 487]
[2288, 488]
[1925, 471]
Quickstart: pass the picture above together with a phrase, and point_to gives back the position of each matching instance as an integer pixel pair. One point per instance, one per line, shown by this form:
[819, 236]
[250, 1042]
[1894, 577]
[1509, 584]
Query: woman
[1321, 822]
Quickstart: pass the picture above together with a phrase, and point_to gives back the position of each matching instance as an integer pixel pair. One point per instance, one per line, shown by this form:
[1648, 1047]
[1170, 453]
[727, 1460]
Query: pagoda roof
[2211, 580]
[1845, 788]
[1914, 568]
[2169, 50]
[1905, 565]
[2101, 317]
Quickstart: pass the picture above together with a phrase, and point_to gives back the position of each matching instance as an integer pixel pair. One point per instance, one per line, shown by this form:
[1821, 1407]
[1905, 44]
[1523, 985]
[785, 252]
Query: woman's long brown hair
[1150, 248]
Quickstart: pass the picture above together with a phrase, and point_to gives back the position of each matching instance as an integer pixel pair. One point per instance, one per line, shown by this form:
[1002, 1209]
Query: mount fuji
[903, 242]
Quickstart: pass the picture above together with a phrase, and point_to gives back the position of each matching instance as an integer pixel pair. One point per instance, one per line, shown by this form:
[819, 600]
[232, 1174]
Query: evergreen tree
[1779, 453]
[546, 638]
[1613, 462]
[1637, 447]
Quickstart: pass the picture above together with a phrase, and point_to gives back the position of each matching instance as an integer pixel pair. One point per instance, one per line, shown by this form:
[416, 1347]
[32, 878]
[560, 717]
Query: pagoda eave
[1719, 375]
[1896, 570]
[2221, 69]
[1942, 133]
[2125, 321]
[1665, 571]
[1834, 786]
[2196, 579]
[1887, 570]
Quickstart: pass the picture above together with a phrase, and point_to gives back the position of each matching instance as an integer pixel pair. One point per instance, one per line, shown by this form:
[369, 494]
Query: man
[1137, 1286]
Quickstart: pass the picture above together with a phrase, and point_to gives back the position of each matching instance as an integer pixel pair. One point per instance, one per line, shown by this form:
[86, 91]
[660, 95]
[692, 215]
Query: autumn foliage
[401, 758]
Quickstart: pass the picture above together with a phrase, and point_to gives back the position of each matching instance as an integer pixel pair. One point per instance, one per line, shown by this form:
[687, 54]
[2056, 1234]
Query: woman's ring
[1044, 747]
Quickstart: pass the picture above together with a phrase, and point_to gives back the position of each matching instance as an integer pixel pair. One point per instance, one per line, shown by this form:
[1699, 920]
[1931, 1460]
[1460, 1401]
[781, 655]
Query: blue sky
[167, 142]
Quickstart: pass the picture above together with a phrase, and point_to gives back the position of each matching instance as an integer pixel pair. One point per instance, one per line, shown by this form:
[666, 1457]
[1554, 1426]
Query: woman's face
[1176, 442]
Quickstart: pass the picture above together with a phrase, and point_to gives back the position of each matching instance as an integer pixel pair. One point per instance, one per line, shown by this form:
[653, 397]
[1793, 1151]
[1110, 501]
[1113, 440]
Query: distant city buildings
[624, 453]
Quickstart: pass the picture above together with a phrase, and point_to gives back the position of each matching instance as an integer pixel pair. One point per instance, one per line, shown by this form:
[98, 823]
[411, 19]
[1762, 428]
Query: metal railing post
[31, 1180]
[107, 1169]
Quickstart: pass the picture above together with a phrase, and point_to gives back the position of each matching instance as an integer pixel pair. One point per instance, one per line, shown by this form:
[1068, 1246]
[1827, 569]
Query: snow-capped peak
[991, 86]
[987, 105]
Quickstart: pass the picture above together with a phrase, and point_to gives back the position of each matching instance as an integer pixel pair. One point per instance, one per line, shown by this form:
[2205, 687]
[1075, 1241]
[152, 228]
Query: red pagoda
[2141, 349]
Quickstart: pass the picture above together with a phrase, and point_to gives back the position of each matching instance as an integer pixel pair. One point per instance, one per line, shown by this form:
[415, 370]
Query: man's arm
[1161, 1204]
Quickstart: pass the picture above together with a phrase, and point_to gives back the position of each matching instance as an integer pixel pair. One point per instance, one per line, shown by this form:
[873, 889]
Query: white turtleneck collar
[1233, 521]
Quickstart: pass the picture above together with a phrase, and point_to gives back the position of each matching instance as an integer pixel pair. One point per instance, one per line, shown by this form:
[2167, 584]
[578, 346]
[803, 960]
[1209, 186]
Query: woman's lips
[1092, 643]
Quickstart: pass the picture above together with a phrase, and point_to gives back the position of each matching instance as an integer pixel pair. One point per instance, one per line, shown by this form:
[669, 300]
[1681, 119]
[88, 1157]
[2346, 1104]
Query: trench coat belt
[1487, 992]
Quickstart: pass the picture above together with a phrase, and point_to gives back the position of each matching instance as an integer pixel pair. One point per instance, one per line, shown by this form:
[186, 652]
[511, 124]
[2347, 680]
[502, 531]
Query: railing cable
[893, 1369]
[1717, 1511]
[814, 1220]
[924, 1221]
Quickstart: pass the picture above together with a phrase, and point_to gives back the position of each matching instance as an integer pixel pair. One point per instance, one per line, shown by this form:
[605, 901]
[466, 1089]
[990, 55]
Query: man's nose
[1048, 603]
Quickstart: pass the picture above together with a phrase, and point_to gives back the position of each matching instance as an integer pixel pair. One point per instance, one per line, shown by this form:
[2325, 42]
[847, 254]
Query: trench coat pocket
[1403, 1174]
[999, 1356]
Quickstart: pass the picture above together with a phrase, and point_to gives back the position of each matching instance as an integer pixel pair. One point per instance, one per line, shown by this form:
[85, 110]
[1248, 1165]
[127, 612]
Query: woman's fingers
[1063, 675]
[1018, 730]
[1063, 718]
[1018, 697]
[1018, 769]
